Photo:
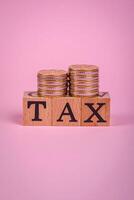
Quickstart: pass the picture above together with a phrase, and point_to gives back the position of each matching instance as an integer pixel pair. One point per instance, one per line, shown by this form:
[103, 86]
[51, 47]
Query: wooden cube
[36, 110]
[96, 110]
[66, 111]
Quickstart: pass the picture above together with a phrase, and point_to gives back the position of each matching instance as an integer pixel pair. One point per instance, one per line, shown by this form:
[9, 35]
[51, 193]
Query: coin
[83, 82]
[74, 94]
[84, 88]
[83, 68]
[52, 86]
[52, 73]
[47, 93]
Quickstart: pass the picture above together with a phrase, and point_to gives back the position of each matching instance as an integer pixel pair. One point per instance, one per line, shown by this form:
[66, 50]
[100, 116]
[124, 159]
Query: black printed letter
[36, 103]
[95, 112]
[70, 113]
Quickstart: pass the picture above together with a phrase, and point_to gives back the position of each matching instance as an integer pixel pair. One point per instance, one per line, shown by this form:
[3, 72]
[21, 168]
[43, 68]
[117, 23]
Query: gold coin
[51, 89]
[83, 68]
[84, 77]
[52, 83]
[52, 79]
[52, 73]
[82, 73]
[84, 82]
[87, 95]
[51, 94]
[83, 88]
[48, 93]
[84, 91]
[51, 86]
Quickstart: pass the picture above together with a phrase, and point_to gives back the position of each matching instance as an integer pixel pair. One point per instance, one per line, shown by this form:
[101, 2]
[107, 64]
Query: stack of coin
[84, 80]
[52, 82]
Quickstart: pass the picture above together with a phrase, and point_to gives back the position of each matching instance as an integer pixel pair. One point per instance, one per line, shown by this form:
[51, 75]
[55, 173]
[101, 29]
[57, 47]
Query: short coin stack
[52, 82]
[84, 80]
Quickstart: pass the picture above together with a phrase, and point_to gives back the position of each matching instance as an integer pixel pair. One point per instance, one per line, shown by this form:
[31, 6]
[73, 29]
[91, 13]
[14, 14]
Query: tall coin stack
[84, 80]
[52, 82]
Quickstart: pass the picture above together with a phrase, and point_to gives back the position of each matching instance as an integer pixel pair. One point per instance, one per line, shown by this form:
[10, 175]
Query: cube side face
[66, 111]
[36, 110]
[96, 111]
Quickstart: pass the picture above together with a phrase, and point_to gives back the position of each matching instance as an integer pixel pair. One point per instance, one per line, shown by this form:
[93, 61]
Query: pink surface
[56, 163]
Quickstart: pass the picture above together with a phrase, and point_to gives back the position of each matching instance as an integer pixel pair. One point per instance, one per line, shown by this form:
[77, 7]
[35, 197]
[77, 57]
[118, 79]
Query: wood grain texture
[66, 111]
[102, 103]
[30, 118]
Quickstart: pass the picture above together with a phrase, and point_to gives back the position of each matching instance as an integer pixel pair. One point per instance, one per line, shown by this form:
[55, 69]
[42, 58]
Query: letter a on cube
[66, 111]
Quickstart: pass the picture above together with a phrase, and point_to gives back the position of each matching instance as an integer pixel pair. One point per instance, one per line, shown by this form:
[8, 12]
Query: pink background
[70, 163]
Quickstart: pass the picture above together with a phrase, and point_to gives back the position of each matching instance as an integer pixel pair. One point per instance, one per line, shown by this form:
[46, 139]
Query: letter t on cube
[36, 110]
